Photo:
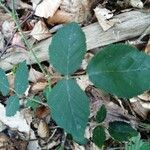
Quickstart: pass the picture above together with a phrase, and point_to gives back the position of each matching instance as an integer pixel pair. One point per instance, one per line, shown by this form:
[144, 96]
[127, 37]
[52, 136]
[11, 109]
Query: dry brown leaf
[34, 75]
[147, 49]
[17, 40]
[40, 31]
[47, 8]
[42, 112]
[60, 17]
[102, 14]
[43, 130]
[39, 86]
[10, 77]
[80, 9]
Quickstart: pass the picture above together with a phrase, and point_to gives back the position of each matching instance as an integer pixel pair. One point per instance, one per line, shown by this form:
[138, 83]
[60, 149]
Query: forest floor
[37, 21]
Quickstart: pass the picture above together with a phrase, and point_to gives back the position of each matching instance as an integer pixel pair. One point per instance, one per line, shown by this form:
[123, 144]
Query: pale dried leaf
[34, 75]
[17, 121]
[43, 130]
[145, 96]
[84, 82]
[80, 9]
[47, 8]
[102, 14]
[2, 126]
[40, 31]
[60, 17]
[17, 40]
[39, 86]
[136, 3]
[8, 28]
[33, 144]
[147, 49]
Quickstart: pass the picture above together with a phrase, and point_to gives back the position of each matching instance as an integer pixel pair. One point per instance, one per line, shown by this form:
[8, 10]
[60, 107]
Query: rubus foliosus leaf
[4, 84]
[121, 131]
[120, 70]
[67, 49]
[21, 78]
[99, 136]
[12, 105]
[70, 108]
[101, 114]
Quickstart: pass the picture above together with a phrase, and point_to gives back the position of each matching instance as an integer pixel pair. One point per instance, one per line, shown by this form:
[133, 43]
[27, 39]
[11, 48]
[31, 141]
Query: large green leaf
[4, 84]
[121, 131]
[99, 136]
[21, 78]
[120, 70]
[12, 105]
[70, 108]
[67, 49]
[101, 114]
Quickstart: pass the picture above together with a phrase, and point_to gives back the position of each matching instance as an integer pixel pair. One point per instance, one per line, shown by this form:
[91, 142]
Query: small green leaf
[31, 102]
[70, 108]
[4, 84]
[136, 143]
[99, 136]
[121, 131]
[121, 70]
[67, 49]
[12, 105]
[101, 114]
[21, 78]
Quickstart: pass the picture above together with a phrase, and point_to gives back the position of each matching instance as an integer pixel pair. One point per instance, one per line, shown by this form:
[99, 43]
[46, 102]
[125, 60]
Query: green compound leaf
[70, 108]
[67, 49]
[99, 136]
[4, 84]
[12, 105]
[121, 131]
[101, 114]
[31, 102]
[120, 70]
[21, 78]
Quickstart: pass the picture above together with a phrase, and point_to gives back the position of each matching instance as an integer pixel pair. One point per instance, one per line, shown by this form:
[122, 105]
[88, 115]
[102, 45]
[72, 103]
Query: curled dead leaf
[40, 31]
[42, 112]
[43, 130]
[47, 8]
[60, 17]
[102, 14]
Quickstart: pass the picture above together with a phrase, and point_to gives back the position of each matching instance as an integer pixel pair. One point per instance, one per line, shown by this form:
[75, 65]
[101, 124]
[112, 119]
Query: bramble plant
[118, 69]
